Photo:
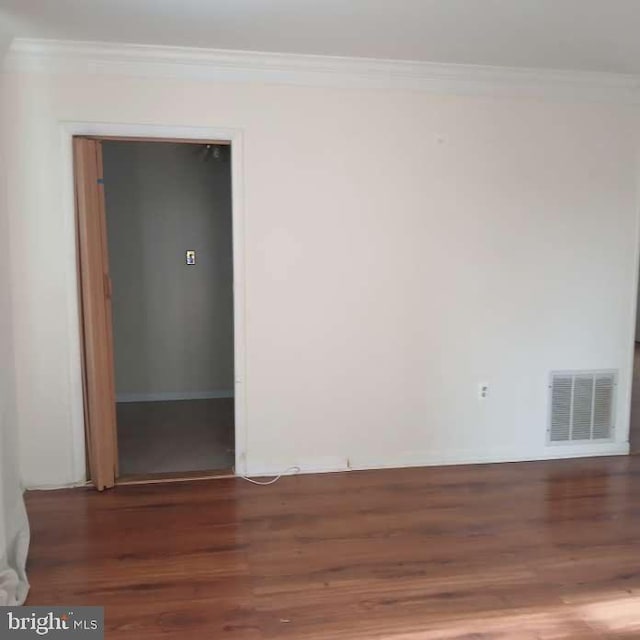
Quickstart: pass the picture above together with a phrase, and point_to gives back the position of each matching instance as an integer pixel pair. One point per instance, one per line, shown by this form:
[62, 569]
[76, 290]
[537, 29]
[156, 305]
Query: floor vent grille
[582, 406]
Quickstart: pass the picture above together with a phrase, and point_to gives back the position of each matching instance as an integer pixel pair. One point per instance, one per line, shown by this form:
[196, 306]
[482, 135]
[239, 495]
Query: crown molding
[102, 58]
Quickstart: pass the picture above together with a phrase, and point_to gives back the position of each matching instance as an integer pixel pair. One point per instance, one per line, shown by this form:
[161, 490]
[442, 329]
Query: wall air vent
[582, 406]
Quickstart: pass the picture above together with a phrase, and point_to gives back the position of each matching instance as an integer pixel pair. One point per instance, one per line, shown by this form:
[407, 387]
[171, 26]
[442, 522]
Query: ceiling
[588, 35]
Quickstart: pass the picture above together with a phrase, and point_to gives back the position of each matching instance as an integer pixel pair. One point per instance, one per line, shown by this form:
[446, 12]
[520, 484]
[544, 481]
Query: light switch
[191, 257]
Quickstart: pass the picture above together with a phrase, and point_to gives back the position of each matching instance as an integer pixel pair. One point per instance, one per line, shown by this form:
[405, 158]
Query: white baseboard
[336, 464]
[329, 464]
[326, 464]
[173, 395]
[447, 458]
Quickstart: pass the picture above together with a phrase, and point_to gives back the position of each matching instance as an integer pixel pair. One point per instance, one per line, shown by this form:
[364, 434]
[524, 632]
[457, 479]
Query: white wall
[172, 323]
[401, 247]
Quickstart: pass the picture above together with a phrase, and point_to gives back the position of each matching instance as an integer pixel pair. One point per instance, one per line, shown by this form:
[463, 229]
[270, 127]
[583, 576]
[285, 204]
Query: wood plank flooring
[529, 551]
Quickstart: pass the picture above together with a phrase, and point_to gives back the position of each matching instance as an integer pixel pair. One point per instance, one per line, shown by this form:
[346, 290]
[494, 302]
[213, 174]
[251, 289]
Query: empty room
[318, 320]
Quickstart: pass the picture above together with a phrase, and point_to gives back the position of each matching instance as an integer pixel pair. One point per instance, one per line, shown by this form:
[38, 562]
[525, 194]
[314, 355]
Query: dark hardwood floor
[529, 551]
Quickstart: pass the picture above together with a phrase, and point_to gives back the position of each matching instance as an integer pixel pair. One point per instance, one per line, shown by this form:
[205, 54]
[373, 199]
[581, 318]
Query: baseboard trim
[334, 464]
[496, 456]
[327, 464]
[173, 395]
[338, 464]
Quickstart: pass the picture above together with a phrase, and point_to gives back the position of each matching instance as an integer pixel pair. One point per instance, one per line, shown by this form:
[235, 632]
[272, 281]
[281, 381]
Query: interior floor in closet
[175, 436]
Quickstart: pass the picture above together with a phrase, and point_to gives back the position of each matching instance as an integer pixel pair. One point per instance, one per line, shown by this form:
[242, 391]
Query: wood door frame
[154, 133]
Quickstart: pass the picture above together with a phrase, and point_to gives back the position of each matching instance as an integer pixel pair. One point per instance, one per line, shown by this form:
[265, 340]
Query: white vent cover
[582, 405]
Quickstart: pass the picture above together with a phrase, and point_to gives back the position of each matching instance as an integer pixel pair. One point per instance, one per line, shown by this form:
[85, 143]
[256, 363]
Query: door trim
[168, 133]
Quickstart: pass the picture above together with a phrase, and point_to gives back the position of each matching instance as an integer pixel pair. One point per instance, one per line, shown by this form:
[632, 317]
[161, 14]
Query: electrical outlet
[483, 390]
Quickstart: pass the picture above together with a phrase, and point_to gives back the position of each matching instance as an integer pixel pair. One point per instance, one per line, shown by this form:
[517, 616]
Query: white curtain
[14, 527]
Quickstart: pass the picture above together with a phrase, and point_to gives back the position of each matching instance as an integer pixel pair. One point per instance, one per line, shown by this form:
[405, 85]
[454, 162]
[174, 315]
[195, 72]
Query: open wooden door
[95, 314]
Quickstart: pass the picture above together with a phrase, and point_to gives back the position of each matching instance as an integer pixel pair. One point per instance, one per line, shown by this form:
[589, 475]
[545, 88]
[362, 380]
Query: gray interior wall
[173, 323]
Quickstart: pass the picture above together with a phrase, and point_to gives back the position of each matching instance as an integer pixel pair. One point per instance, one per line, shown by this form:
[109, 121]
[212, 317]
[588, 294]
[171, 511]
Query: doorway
[167, 257]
